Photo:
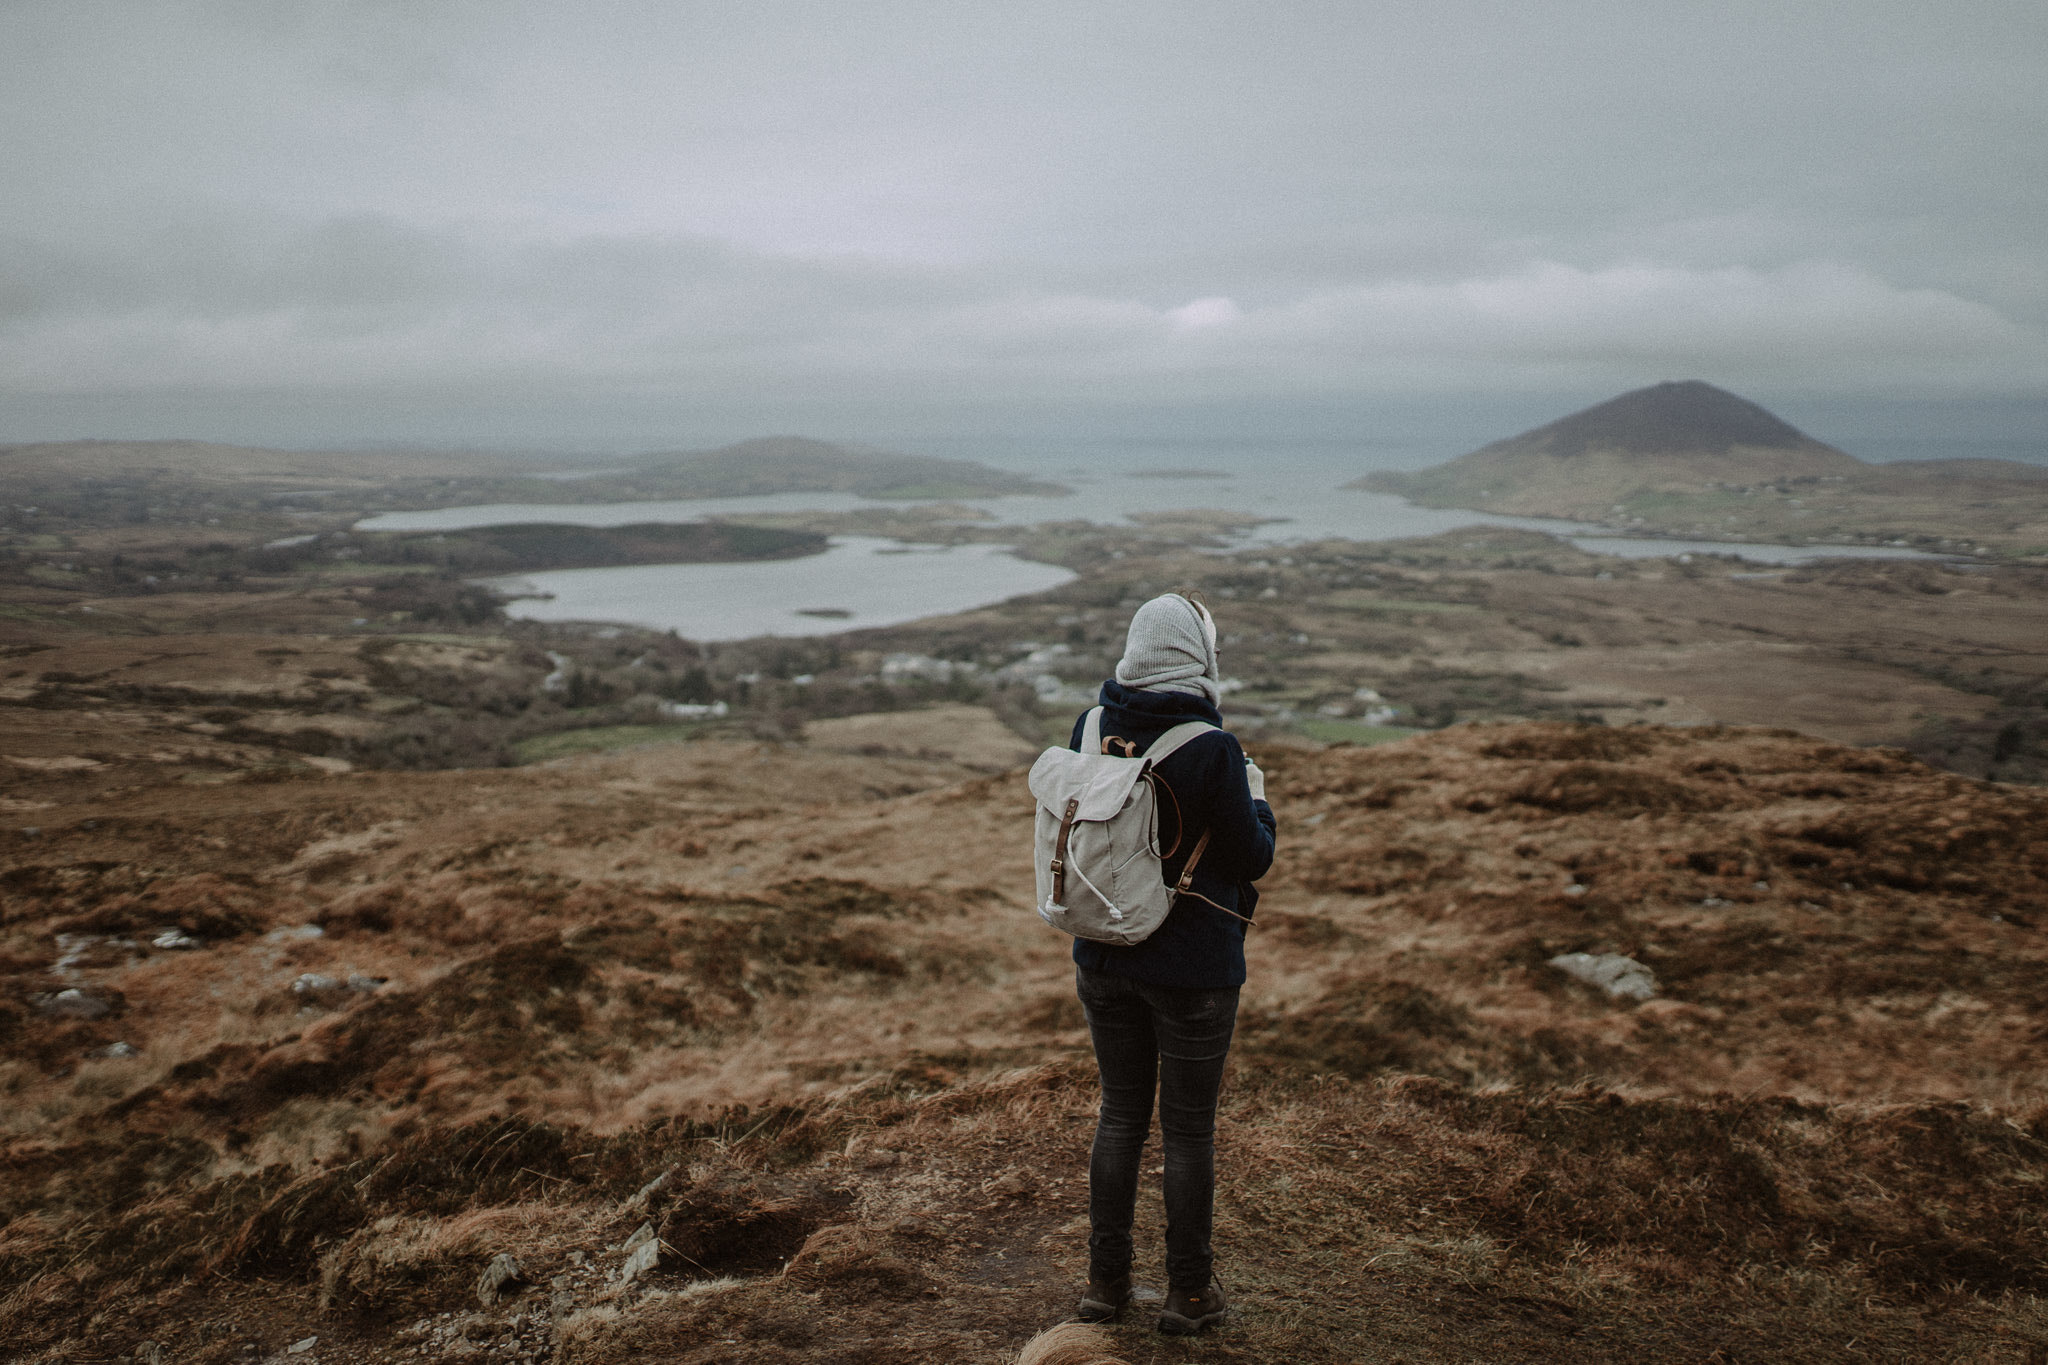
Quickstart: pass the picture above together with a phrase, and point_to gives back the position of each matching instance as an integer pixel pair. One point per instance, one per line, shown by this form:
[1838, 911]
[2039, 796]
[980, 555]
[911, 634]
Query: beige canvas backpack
[1096, 839]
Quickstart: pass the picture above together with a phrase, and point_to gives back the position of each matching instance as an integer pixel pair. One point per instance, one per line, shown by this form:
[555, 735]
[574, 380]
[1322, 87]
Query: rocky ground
[300, 1057]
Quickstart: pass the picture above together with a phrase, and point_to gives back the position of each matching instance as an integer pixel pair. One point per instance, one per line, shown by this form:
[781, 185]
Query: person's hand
[1254, 779]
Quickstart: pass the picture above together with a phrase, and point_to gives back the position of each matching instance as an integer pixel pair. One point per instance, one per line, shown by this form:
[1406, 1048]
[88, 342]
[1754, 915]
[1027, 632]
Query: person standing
[1161, 1011]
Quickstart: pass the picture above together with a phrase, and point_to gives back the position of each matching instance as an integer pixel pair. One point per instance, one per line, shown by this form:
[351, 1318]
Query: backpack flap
[1100, 783]
[1095, 832]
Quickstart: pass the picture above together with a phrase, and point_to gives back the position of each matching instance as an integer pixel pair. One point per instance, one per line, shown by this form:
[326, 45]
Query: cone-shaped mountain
[1665, 419]
[1678, 437]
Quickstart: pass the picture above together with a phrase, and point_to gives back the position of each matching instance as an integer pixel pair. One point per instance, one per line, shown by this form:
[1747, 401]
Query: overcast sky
[611, 222]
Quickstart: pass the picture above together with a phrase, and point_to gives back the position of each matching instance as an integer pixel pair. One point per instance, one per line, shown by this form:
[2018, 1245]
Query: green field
[1337, 730]
[598, 739]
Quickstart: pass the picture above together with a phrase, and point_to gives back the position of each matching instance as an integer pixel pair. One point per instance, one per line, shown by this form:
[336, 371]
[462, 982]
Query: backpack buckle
[1059, 853]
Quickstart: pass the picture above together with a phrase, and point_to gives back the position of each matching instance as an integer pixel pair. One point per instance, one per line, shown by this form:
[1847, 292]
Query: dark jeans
[1173, 1039]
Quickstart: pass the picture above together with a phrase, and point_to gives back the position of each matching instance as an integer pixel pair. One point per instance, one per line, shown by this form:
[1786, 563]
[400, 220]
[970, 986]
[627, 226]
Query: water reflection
[864, 581]
[860, 581]
[1299, 504]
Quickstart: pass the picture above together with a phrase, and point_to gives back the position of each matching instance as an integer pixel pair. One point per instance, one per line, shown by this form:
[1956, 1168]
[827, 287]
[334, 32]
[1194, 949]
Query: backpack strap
[1163, 747]
[1091, 732]
[1187, 873]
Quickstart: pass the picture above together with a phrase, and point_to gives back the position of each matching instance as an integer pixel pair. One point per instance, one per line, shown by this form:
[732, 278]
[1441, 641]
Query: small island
[528, 547]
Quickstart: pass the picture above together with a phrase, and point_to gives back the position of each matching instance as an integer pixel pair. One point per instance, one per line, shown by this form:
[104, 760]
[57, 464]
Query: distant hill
[528, 547]
[1675, 437]
[1678, 417]
[798, 464]
[767, 464]
[77, 484]
[753, 468]
[49, 462]
[1688, 459]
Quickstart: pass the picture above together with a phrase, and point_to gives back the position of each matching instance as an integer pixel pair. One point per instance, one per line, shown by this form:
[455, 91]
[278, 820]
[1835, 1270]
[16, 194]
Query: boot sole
[1093, 1310]
[1174, 1325]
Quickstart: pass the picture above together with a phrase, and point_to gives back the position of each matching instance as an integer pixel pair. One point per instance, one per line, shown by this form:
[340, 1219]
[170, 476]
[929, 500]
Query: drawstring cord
[1151, 846]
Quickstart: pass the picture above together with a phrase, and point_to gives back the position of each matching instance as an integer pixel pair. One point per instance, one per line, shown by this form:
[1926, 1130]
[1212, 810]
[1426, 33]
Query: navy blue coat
[1198, 946]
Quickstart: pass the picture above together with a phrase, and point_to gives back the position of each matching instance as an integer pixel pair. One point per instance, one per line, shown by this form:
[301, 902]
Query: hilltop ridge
[1686, 458]
[28, 464]
[247, 489]
[777, 464]
[1678, 436]
[1672, 418]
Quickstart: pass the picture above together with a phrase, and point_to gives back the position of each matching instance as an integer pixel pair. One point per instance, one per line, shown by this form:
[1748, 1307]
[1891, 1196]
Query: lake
[860, 581]
[878, 582]
[1302, 501]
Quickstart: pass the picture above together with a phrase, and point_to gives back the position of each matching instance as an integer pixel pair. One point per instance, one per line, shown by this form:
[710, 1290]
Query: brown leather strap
[1187, 874]
[1059, 852]
[1187, 877]
[1180, 826]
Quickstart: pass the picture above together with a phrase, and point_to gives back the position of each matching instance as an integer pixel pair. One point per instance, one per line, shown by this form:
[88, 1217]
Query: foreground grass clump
[755, 1001]
[1400, 1218]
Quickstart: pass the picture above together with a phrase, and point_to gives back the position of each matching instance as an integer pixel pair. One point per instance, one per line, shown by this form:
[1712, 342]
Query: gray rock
[71, 948]
[481, 1328]
[118, 1050]
[641, 1236]
[174, 939]
[358, 982]
[500, 1277]
[73, 1003]
[650, 1189]
[1619, 976]
[644, 1259]
[300, 1347]
[313, 983]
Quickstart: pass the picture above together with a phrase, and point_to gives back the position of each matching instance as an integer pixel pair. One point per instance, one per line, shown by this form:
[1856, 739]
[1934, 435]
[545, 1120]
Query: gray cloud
[395, 205]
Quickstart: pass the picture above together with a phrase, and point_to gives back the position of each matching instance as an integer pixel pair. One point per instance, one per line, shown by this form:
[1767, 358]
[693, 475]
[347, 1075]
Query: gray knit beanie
[1171, 648]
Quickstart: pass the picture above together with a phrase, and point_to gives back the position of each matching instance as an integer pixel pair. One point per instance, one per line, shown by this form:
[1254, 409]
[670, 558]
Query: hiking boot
[1104, 1298]
[1188, 1311]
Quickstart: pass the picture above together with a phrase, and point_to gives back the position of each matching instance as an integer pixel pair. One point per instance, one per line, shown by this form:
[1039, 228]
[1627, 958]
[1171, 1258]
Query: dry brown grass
[1401, 1216]
[855, 1071]
[1070, 1343]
